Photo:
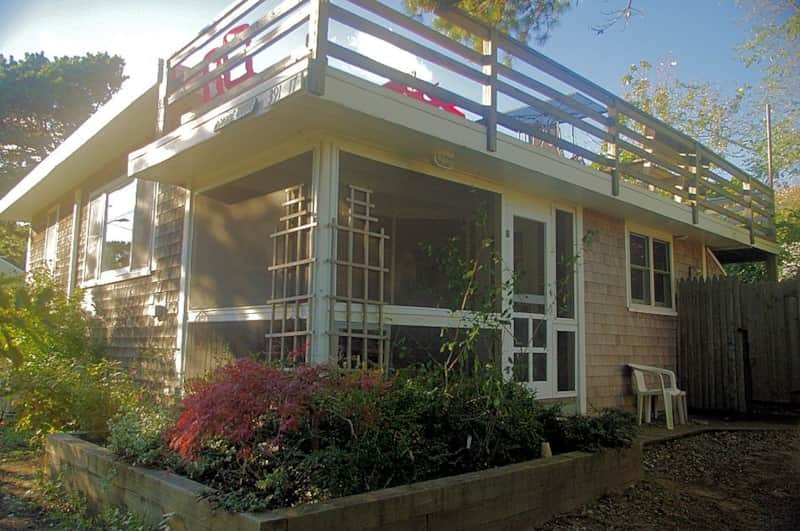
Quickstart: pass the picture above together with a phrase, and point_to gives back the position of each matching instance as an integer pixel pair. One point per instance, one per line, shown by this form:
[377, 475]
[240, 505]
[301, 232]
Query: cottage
[316, 180]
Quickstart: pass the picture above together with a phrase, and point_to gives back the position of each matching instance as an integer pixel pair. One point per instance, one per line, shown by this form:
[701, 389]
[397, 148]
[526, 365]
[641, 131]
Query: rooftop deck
[507, 89]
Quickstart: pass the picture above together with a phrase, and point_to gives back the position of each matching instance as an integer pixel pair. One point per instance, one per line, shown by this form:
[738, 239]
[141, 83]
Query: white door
[544, 348]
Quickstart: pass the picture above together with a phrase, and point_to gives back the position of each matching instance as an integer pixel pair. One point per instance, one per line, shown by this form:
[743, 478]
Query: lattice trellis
[361, 338]
[291, 271]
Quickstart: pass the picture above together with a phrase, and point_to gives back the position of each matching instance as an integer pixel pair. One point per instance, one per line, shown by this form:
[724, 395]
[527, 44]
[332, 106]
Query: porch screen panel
[435, 228]
[565, 264]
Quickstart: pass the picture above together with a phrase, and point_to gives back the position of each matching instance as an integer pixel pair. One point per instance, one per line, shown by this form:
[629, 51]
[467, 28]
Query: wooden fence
[739, 344]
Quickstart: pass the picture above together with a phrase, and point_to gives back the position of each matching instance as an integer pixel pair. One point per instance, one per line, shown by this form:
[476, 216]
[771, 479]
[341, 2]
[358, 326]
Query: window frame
[124, 273]
[651, 236]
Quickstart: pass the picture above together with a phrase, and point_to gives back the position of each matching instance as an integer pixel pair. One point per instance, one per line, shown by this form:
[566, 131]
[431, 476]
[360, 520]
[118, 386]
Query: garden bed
[520, 495]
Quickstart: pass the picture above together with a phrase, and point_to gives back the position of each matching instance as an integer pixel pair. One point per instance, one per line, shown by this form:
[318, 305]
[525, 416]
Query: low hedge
[266, 437]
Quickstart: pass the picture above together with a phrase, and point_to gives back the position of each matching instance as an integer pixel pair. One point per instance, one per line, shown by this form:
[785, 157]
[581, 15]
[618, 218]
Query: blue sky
[700, 35]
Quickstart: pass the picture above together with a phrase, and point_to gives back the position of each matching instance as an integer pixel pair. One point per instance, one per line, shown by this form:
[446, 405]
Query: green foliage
[348, 432]
[54, 372]
[522, 19]
[611, 428]
[42, 101]
[136, 433]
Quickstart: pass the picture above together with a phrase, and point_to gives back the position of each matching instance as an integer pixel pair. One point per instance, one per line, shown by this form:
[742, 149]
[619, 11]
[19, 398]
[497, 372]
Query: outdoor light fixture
[444, 158]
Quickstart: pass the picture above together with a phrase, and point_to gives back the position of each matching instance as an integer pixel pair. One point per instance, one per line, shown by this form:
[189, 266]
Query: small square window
[650, 271]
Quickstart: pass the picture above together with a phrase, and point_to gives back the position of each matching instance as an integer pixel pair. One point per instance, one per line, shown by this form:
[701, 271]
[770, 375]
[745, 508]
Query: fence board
[739, 343]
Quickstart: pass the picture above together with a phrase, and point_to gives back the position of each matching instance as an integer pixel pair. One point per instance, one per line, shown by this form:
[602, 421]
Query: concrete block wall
[615, 335]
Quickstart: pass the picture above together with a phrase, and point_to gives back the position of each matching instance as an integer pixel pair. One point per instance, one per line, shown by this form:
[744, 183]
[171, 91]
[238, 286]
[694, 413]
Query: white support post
[183, 294]
[506, 276]
[72, 276]
[580, 313]
[317, 42]
[490, 89]
[325, 201]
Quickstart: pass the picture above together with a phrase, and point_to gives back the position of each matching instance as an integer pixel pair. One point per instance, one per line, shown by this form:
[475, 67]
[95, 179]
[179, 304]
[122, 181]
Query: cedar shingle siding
[615, 335]
[140, 341]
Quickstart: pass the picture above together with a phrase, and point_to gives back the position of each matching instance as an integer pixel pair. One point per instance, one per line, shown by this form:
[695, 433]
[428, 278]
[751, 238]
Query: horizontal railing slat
[395, 17]
[522, 79]
[282, 28]
[364, 62]
[518, 125]
[207, 34]
[536, 103]
[255, 28]
[361, 24]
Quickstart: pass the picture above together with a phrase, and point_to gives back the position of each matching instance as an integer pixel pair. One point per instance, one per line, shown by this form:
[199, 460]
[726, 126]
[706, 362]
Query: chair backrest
[637, 380]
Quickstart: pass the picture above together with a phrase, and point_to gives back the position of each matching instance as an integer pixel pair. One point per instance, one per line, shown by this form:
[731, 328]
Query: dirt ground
[720, 480]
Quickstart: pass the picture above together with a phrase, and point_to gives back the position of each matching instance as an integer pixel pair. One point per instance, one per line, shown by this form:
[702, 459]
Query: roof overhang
[125, 122]
[225, 144]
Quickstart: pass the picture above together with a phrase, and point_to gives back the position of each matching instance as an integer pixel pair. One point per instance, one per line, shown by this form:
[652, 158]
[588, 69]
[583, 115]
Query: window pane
[662, 291]
[539, 367]
[660, 255]
[521, 367]
[119, 228]
[565, 264]
[521, 338]
[638, 250]
[565, 343]
[143, 226]
[95, 221]
[539, 333]
[529, 260]
[640, 285]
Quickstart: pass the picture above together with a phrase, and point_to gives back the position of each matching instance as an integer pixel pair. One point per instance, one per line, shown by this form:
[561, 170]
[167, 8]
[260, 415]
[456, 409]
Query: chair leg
[639, 408]
[668, 411]
[648, 409]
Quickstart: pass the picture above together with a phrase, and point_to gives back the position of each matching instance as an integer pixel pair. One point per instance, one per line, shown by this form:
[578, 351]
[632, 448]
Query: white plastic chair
[673, 398]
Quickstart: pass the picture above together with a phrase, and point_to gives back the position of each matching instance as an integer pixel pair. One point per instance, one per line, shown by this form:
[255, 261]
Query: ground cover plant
[266, 437]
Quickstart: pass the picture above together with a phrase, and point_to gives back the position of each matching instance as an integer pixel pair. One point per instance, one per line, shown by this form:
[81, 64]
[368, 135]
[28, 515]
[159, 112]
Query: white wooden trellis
[371, 335]
[292, 261]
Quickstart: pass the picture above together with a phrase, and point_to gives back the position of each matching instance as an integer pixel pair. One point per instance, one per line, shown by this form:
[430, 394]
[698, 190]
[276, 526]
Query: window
[650, 271]
[120, 230]
[51, 239]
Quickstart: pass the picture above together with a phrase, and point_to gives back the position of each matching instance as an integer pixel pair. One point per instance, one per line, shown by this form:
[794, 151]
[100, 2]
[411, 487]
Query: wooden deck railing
[499, 86]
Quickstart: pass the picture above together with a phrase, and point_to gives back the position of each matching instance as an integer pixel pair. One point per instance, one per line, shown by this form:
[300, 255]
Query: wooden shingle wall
[123, 309]
[616, 336]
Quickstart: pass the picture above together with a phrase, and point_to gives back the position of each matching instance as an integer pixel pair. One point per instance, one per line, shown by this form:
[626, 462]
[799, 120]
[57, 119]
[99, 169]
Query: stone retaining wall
[517, 496]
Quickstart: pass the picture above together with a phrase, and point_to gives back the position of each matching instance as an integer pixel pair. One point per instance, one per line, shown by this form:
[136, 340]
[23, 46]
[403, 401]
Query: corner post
[748, 203]
[693, 183]
[325, 202]
[490, 89]
[613, 149]
[318, 42]
[163, 94]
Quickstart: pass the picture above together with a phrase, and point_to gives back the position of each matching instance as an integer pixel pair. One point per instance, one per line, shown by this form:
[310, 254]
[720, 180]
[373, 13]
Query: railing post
[613, 149]
[490, 89]
[318, 42]
[163, 92]
[748, 200]
[694, 182]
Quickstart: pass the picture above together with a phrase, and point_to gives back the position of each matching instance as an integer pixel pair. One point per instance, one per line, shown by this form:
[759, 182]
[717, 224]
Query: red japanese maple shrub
[244, 403]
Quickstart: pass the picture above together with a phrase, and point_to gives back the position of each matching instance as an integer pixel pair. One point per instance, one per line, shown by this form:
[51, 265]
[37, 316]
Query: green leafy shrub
[611, 428]
[57, 377]
[137, 433]
[266, 437]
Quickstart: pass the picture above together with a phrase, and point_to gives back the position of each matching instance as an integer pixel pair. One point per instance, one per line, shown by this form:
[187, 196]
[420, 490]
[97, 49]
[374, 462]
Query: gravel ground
[718, 480]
